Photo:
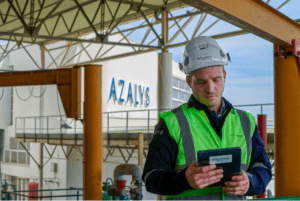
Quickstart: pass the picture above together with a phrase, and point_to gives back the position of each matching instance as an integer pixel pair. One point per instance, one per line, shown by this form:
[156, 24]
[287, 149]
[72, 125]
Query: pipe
[92, 160]
[262, 127]
[287, 127]
[136, 172]
[128, 169]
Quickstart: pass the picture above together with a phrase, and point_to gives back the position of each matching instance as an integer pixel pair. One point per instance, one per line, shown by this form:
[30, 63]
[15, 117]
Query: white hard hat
[203, 52]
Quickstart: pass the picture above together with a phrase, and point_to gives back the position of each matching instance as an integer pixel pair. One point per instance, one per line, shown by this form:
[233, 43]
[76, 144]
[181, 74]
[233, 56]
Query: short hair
[193, 72]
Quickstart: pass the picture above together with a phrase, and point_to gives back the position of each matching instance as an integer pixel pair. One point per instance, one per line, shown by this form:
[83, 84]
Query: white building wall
[139, 70]
[31, 108]
[5, 106]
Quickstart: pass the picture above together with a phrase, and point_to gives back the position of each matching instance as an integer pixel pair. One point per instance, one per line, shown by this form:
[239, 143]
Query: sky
[250, 74]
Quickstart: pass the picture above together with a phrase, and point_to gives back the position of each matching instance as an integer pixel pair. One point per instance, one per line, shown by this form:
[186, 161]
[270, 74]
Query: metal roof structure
[83, 23]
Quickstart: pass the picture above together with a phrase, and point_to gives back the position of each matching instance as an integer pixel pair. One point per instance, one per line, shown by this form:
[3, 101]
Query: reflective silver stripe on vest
[246, 125]
[210, 197]
[187, 139]
[188, 146]
[180, 167]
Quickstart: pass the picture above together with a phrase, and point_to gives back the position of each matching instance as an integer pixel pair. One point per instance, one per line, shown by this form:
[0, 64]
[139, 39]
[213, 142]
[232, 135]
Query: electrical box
[53, 167]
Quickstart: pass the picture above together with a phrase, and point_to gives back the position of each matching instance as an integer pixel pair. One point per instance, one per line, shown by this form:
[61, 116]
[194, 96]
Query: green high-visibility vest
[192, 131]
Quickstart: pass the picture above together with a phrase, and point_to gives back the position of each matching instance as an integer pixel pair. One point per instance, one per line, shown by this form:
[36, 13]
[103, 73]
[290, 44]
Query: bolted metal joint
[296, 48]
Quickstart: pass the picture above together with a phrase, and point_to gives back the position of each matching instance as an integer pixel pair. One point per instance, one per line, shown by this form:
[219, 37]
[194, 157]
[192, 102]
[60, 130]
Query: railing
[127, 122]
[261, 111]
[48, 125]
[13, 195]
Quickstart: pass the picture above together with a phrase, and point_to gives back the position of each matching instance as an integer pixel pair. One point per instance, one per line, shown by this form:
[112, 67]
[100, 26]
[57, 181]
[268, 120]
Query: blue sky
[250, 74]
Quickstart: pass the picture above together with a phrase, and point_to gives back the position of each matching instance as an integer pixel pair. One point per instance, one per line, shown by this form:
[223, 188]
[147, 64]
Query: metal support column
[164, 74]
[42, 102]
[141, 150]
[41, 125]
[164, 81]
[164, 70]
[41, 167]
[262, 127]
[287, 127]
[92, 134]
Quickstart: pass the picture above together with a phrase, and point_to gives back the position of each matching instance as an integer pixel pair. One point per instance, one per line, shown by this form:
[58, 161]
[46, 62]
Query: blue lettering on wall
[123, 83]
[135, 93]
[129, 93]
[113, 89]
[148, 97]
[142, 93]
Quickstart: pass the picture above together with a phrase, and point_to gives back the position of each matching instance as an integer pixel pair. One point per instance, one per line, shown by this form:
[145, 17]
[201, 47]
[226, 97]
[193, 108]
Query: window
[174, 82]
[174, 93]
[181, 95]
[181, 84]
[13, 143]
[186, 97]
[174, 104]
[7, 156]
[181, 92]
[14, 157]
[22, 157]
[16, 153]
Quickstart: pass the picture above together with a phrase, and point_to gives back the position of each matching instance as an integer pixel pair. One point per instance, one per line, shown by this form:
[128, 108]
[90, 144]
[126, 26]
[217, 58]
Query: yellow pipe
[287, 125]
[92, 134]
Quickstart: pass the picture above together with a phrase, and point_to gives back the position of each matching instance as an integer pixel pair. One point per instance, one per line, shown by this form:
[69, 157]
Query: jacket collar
[193, 102]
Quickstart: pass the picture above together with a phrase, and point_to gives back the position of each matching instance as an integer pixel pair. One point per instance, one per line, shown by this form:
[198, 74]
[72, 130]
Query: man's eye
[217, 80]
[200, 82]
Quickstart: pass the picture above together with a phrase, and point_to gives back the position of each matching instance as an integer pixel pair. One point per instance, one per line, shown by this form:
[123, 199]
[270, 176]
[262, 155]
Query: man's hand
[200, 177]
[238, 186]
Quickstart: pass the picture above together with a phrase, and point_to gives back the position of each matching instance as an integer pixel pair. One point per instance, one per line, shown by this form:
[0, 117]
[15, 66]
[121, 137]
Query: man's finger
[236, 183]
[239, 177]
[209, 174]
[205, 184]
[235, 190]
[209, 179]
[206, 168]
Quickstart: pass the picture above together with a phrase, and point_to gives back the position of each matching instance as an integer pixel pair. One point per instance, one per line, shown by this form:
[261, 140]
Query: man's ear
[224, 73]
[188, 80]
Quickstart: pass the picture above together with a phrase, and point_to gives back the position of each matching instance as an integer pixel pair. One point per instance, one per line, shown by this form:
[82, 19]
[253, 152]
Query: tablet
[227, 158]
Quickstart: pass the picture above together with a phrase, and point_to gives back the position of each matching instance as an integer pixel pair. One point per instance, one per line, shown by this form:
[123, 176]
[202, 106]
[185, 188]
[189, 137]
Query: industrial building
[59, 53]
[31, 113]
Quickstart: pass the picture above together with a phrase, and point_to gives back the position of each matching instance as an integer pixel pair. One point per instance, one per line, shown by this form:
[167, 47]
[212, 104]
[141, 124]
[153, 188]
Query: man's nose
[210, 86]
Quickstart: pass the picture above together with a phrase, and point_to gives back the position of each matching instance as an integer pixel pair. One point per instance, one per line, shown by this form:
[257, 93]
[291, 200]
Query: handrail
[145, 122]
[19, 193]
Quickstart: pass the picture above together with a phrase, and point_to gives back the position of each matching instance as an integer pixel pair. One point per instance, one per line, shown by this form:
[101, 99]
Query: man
[207, 121]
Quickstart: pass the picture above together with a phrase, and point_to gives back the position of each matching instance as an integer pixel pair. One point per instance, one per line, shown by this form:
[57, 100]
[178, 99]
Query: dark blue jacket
[161, 159]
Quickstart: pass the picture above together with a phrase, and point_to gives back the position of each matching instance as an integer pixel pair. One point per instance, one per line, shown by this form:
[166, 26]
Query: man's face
[207, 85]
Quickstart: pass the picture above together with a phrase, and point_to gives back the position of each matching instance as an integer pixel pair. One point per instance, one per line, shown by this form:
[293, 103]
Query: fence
[13, 195]
[131, 121]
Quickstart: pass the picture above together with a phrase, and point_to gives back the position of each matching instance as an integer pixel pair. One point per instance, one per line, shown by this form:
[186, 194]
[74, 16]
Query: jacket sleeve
[259, 172]
[159, 175]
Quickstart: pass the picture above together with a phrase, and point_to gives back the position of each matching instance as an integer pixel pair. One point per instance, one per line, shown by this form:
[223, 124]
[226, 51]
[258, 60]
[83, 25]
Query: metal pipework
[130, 169]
